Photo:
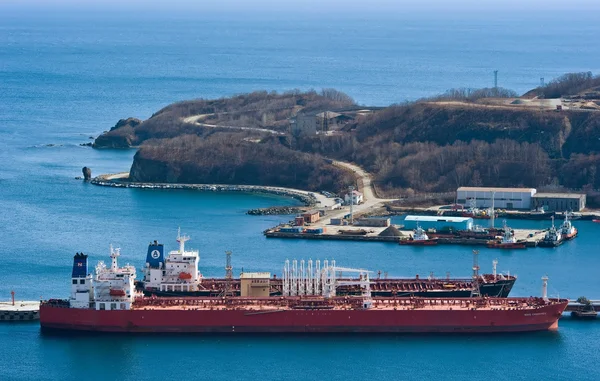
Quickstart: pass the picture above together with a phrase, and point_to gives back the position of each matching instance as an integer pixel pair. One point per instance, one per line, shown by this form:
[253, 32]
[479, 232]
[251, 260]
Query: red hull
[567, 237]
[429, 242]
[506, 246]
[289, 321]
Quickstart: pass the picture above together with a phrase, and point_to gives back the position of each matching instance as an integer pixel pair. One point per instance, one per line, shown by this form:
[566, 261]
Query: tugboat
[508, 241]
[553, 237]
[567, 229]
[419, 239]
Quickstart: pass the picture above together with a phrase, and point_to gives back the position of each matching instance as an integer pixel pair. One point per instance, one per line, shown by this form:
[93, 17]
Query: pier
[575, 306]
[19, 310]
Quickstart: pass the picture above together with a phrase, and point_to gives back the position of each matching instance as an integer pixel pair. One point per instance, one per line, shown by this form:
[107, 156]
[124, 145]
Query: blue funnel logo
[80, 265]
[155, 254]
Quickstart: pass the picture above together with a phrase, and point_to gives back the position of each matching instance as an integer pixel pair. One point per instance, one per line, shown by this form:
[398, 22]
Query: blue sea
[66, 77]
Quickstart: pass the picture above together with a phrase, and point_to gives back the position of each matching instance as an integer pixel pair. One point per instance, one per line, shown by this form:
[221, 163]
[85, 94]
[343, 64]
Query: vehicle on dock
[553, 237]
[420, 238]
[508, 240]
[567, 229]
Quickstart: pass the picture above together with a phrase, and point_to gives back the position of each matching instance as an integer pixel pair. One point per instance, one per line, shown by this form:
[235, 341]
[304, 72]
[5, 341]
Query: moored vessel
[508, 241]
[162, 277]
[553, 237]
[567, 229]
[309, 304]
[419, 238]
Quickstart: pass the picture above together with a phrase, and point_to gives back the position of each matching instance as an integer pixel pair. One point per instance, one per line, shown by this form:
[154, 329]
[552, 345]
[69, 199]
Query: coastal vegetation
[227, 159]
[464, 137]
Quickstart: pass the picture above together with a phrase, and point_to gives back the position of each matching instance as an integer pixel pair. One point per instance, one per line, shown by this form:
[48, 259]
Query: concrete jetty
[19, 311]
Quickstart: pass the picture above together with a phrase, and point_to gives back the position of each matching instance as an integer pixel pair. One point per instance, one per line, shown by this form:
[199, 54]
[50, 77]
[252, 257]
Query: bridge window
[102, 306]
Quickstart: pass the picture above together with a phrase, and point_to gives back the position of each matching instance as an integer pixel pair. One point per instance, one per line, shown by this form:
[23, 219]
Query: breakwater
[120, 180]
[275, 210]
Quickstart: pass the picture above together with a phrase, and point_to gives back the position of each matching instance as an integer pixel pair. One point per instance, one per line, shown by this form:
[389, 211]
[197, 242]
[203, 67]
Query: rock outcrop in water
[87, 173]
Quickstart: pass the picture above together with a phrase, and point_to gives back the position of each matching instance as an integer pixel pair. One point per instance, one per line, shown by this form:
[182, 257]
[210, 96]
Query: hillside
[259, 109]
[484, 137]
[227, 159]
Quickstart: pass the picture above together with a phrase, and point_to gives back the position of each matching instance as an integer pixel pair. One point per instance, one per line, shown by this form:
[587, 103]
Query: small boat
[508, 241]
[186, 276]
[567, 229]
[595, 220]
[553, 237]
[419, 239]
[477, 232]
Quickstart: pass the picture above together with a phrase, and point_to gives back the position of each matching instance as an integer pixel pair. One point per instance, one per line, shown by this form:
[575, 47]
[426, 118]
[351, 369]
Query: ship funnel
[155, 256]
[80, 262]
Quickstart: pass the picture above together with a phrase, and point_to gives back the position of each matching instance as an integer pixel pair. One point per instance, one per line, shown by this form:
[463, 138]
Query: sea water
[66, 78]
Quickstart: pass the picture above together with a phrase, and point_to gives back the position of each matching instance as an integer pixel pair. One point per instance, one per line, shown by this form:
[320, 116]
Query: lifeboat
[185, 276]
[116, 292]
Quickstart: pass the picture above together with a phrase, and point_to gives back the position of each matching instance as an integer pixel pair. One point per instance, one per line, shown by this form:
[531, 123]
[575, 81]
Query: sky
[311, 6]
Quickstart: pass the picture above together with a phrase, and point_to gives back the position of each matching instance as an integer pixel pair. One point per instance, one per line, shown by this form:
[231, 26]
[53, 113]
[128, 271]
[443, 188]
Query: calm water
[63, 80]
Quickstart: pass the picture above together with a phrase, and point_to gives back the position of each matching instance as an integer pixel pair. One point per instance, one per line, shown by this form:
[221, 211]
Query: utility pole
[351, 189]
[496, 79]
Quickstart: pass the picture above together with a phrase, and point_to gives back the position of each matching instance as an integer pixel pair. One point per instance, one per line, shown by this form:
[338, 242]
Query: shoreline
[117, 180]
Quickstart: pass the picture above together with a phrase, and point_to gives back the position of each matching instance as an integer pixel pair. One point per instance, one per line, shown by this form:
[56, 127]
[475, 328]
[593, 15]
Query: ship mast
[182, 239]
[228, 273]
[114, 254]
[475, 291]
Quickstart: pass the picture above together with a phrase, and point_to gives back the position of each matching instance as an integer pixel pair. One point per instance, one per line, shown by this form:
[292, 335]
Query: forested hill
[487, 137]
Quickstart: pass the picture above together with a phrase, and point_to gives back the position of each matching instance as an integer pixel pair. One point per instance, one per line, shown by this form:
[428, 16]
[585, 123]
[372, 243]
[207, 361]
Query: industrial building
[438, 223]
[378, 222]
[559, 202]
[504, 198]
[356, 197]
[311, 217]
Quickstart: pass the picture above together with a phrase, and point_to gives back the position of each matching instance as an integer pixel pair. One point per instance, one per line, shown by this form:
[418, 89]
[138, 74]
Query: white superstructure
[111, 288]
[178, 272]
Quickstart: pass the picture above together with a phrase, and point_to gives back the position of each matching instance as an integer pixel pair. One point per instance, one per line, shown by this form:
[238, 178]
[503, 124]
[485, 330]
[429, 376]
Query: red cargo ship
[308, 305]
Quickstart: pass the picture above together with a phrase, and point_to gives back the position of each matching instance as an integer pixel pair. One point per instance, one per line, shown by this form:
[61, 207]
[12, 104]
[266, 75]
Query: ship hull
[543, 243]
[302, 321]
[429, 242]
[383, 288]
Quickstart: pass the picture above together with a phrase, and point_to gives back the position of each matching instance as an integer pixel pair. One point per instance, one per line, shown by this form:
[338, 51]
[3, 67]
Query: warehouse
[559, 202]
[504, 198]
[438, 223]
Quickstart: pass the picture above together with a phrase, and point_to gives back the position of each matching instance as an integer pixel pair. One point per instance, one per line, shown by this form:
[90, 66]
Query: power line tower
[496, 79]
[228, 273]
